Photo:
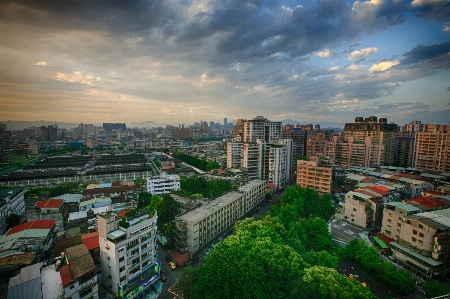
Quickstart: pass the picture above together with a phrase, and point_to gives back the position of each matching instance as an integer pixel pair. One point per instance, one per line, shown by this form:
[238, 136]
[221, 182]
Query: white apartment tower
[234, 154]
[261, 128]
[128, 252]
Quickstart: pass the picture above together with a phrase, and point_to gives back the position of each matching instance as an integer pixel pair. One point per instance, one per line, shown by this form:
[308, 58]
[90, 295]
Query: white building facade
[11, 202]
[163, 184]
[129, 259]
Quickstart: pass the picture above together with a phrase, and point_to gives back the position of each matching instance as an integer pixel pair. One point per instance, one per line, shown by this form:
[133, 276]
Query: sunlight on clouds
[446, 29]
[362, 53]
[383, 66]
[324, 54]
[77, 77]
[334, 68]
[43, 63]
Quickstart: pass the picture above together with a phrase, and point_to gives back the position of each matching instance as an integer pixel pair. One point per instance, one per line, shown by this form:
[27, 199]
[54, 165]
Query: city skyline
[180, 62]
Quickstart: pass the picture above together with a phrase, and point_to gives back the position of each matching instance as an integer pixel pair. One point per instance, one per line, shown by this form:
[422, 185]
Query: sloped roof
[91, 240]
[123, 212]
[36, 224]
[49, 203]
[80, 261]
[66, 275]
[17, 259]
[428, 202]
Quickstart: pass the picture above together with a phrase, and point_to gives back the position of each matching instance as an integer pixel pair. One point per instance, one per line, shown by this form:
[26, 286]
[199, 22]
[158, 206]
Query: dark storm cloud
[436, 11]
[109, 15]
[432, 52]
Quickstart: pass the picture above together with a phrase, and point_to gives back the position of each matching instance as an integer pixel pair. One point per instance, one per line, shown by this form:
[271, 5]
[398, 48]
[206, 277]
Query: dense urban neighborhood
[260, 208]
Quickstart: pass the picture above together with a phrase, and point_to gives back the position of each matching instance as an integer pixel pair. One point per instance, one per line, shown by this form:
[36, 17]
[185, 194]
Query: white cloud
[43, 63]
[324, 54]
[428, 2]
[353, 101]
[334, 68]
[362, 53]
[383, 66]
[446, 29]
[77, 77]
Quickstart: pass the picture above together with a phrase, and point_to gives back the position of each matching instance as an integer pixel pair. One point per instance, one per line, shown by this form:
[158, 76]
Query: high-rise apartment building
[404, 149]
[382, 133]
[234, 154]
[432, 148]
[354, 153]
[311, 174]
[261, 128]
[128, 252]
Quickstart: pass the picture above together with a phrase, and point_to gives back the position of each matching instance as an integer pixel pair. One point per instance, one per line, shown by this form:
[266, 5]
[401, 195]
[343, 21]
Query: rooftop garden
[144, 214]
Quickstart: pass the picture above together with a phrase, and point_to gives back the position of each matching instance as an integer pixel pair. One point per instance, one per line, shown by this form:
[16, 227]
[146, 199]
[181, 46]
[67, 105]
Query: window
[121, 259]
[354, 209]
[399, 225]
[413, 239]
[414, 232]
[122, 269]
[390, 220]
[421, 235]
[420, 226]
[71, 286]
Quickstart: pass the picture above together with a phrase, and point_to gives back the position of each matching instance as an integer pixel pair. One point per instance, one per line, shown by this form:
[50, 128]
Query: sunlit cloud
[383, 66]
[43, 63]
[428, 2]
[77, 77]
[362, 53]
[324, 54]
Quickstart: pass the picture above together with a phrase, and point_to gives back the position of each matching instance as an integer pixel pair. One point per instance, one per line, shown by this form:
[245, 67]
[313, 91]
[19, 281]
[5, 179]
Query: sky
[175, 61]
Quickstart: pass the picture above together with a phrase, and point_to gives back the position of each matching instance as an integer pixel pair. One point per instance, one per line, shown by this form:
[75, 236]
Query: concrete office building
[382, 133]
[234, 154]
[432, 148]
[163, 184]
[128, 252]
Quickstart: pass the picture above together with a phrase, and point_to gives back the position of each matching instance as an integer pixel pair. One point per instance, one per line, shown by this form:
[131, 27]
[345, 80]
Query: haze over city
[183, 61]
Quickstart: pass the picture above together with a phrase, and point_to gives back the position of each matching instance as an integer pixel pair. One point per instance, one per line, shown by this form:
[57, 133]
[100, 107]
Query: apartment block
[350, 152]
[422, 238]
[128, 252]
[404, 149]
[163, 184]
[432, 148]
[234, 154]
[364, 207]
[78, 275]
[255, 193]
[11, 202]
[310, 174]
[261, 128]
[196, 228]
[382, 133]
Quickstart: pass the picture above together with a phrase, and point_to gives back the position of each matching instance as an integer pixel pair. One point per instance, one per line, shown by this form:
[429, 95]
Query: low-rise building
[78, 275]
[128, 252]
[163, 184]
[50, 209]
[11, 202]
[255, 192]
[35, 236]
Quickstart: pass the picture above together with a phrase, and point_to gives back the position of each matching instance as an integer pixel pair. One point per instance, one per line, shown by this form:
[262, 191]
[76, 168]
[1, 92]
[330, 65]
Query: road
[172, 275]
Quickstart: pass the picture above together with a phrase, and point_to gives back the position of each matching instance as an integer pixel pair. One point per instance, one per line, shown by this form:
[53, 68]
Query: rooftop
[91, 240]
[213, 206]
[10, 192]
[49, 204]
[17, 259]
[36, 224]
[80, 261]
[431, 203]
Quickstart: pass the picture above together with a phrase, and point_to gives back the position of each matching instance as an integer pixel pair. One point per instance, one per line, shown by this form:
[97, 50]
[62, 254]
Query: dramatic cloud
[185, 61]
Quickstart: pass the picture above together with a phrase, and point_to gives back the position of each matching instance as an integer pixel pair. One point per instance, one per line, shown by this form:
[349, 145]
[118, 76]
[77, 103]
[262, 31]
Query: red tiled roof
[270, 185]
[410, 176]
[66, 275]
[49, 203]
[368, 179]
[91, 240]
[379, 189]
[180, 259]
[123, 212]
[36, 224]
[428, 202]
[168, 166]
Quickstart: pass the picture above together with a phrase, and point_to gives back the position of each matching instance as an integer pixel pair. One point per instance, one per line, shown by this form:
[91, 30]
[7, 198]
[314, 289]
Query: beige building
[432, 148]
[351, 152]
[261, 128]
[234, 154]
[310, 174]
[382, 133]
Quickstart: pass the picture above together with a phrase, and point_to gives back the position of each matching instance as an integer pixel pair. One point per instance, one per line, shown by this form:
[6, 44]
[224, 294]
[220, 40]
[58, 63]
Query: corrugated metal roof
[36, 224]
[27, 284]
[49, 203]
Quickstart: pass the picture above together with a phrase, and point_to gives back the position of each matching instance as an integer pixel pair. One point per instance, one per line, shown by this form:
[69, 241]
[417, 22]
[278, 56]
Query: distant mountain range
[148, 123]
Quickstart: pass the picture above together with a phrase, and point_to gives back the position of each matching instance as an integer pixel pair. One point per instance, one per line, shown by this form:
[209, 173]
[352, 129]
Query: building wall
[13, 205]
[313, 176]
[234, 154]
[432, 148]
[163, 185]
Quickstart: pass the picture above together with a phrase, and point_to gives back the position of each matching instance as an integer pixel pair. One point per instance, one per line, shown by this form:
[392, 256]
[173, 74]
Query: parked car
[163, 276]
